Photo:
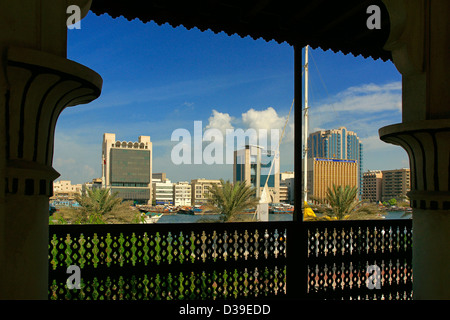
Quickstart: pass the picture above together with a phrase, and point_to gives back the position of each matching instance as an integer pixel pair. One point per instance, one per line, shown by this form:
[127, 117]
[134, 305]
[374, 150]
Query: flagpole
[305, 139]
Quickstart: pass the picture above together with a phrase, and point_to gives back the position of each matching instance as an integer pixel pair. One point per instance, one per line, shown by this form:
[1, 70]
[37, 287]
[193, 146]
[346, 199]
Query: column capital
[420, 41]
[39, 86]
[426, 143]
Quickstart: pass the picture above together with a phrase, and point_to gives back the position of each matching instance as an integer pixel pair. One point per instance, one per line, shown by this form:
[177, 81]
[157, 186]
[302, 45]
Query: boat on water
[195, 210]
[152, 217]
[185, 210]
[277, 208]
[157, 208]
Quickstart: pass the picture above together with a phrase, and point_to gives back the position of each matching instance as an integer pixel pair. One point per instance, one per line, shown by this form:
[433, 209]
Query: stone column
[36, 83]
[420, 46]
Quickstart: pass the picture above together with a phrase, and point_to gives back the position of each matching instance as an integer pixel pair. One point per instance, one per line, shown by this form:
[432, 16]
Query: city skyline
[158, 79]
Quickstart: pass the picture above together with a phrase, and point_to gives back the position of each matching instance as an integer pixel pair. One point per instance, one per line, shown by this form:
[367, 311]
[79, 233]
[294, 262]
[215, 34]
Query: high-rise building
[182, 193]
[372, 184]
[337, 144]
[127, 168]
[323, 173]
[396, 183]
[258, 166]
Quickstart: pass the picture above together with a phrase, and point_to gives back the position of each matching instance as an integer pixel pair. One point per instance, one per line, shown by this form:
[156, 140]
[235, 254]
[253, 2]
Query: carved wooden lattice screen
[344, 255]
[169, 261]
[232, 260]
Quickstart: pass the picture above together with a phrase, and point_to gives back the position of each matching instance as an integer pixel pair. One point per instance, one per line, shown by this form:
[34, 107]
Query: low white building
[182, 194]
[162, 191]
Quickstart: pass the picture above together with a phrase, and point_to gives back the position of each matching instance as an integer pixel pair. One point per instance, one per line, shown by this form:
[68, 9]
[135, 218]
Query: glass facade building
[130, 167]
[337, 144]
[127, 168]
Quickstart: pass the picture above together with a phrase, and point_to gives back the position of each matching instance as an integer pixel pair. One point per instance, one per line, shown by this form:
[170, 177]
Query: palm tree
[101, 206]
[229, 199]
[341, 203]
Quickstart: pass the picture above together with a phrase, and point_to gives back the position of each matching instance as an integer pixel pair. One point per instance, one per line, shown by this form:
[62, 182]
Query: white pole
[305, 140]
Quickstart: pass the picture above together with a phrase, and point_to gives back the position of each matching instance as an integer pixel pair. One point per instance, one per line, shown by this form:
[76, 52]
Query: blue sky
[157, 79]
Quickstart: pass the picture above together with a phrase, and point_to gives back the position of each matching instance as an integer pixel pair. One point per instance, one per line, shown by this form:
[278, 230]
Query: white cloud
[371, 88]
[365, 98]
[373, 102]
[289, 134]
[219, 120]
[363, 109]
[188, 104]
[264, 119]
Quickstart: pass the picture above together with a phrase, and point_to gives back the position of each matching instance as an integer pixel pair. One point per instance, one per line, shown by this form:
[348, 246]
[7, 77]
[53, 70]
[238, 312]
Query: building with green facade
[127, 168]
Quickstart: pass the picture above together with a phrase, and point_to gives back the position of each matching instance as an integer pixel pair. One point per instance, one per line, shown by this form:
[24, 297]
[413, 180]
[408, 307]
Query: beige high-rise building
[396, 183]
[200, 190]
[372, 185]
[323, 173]
[127, 168]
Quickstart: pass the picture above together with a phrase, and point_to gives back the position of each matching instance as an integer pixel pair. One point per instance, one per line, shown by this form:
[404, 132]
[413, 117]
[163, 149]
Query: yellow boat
[307, 211]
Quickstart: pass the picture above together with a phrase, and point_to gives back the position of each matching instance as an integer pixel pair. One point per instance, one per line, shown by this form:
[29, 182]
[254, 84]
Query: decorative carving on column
[40, 86]
[428, 148]
[419, 42]
[36, 83]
